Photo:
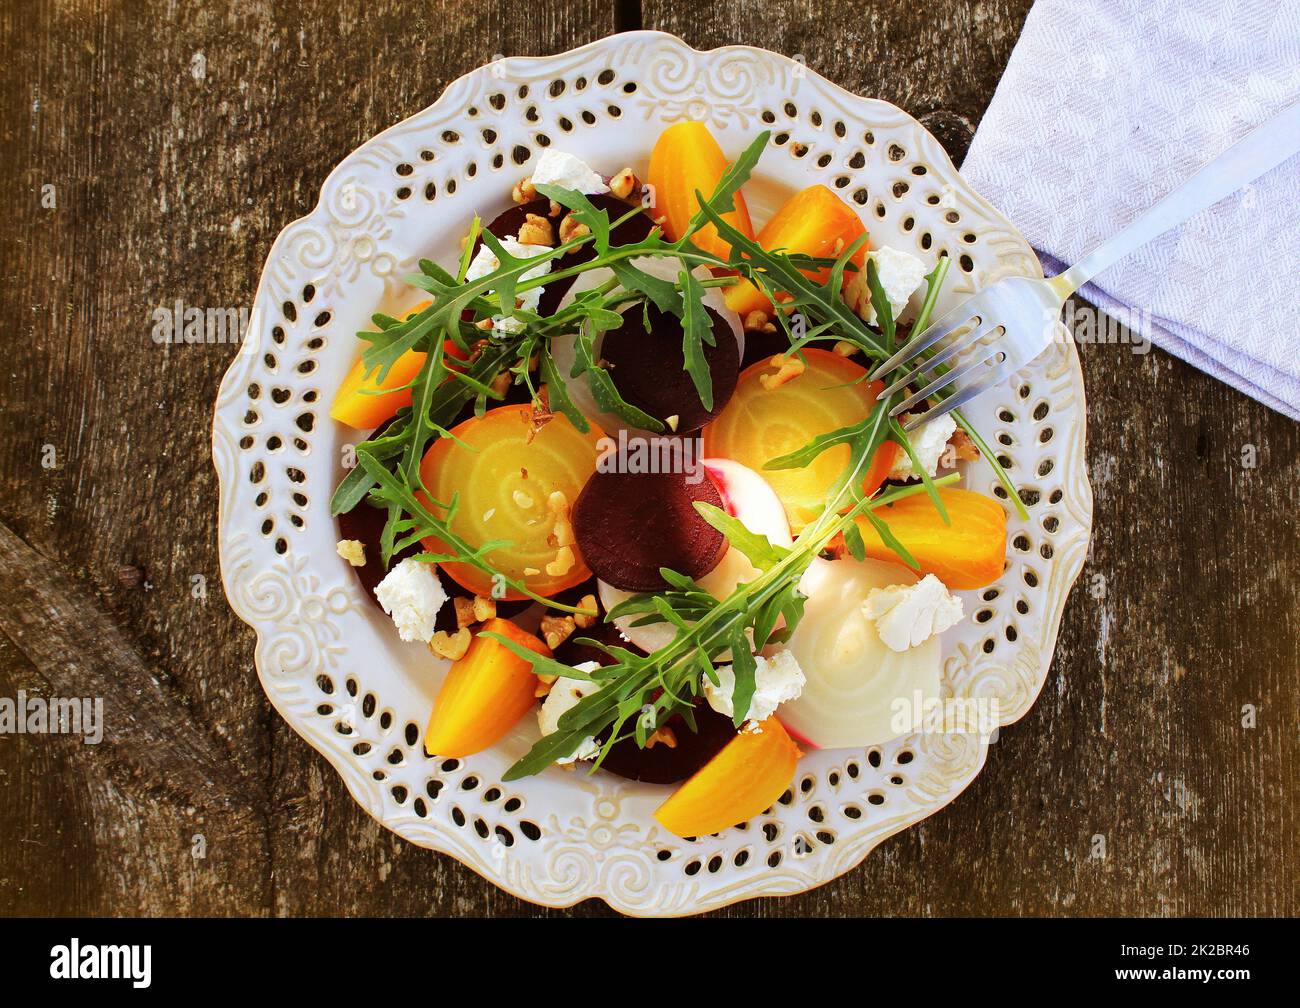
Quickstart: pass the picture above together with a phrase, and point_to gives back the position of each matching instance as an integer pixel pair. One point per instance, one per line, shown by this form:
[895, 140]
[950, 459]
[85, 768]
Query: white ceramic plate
[330, 662]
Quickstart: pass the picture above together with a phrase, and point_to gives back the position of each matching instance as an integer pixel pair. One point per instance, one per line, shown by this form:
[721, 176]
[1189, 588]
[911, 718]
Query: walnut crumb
[582, 621]
[523, 192]
[484, 608]
[963, 447]
[571, 228]
[563, 562]
[464, 611]
[353, 551]
[544, 684]
[556, 630]
[536, 230]
[501, 383]
[451, 646]
[844, 348]
[787, 369]
[623, 184]
[664, 735]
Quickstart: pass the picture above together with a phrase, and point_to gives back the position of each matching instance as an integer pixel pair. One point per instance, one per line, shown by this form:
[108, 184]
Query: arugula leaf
[756, 548]
[697, 331]
[743, 666]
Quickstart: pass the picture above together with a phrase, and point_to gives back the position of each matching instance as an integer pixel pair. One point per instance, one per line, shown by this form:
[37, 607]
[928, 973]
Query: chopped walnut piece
[353, 551]
[571, 228]
[556, 630]
[451, 646]
[963, 447]
[484, 324]
[844, 348]
[623, 184]
[582, 621]
[501, 383]
[554, 210]
[664, 735]
[464, 611]
[558, 505]
[563, 562]
[787, 368]
[523, 192]
[544, 684]
[536, 230]
[484, 608]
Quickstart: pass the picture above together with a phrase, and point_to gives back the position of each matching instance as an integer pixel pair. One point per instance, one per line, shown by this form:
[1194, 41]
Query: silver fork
[1026, 310]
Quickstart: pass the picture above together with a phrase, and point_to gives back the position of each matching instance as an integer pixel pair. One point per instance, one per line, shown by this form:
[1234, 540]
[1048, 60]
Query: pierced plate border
[559, 838]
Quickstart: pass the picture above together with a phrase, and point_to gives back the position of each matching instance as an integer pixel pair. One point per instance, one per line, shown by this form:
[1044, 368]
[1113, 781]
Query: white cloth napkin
[1106, 106]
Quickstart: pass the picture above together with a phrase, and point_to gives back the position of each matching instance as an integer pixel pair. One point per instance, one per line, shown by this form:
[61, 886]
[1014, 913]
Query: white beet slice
[859, 692]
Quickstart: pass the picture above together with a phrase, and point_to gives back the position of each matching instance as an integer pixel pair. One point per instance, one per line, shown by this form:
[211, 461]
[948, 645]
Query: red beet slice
[659, 764]
[572, 653]
[628, 525]
[663, 765]
[648, 366]
[637, 228]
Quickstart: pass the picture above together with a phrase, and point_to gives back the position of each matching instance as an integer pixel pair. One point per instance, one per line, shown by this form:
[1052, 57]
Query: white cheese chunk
[776, 680]
[929, 442]
[900, 273]
[909, 615]
[412, 595]
[557, 168]
[564, 696]
[485, 262]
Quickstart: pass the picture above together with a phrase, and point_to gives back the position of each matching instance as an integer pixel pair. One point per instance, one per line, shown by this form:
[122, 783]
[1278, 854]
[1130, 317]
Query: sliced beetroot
[572, 653]
[628, 525]
[637, 228]
[661, 764]
[648, 367]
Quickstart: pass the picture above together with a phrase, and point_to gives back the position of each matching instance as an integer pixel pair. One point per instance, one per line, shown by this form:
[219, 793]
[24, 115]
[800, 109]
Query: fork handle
[1261, 150]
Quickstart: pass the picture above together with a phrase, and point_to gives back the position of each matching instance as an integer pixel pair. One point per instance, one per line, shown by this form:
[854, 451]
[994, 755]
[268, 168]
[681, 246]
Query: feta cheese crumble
[412, 595]
[557, 168]
[900, 273]
[908, 615]
[564, 696]
[485, 262]
[929, 442]
[776, 680]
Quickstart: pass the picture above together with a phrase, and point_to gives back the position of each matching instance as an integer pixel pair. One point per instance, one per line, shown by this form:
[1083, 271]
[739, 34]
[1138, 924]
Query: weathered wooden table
[179, 139]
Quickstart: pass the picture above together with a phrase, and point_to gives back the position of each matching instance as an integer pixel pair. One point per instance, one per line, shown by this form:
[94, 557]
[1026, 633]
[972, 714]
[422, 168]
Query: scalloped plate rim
[1078, 437]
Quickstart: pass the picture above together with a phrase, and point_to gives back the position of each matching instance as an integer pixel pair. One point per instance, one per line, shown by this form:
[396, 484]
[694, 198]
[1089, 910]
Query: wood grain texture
[179, 141]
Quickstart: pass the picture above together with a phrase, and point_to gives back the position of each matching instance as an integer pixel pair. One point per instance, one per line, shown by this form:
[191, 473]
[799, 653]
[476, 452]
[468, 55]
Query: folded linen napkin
[1106, 106]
